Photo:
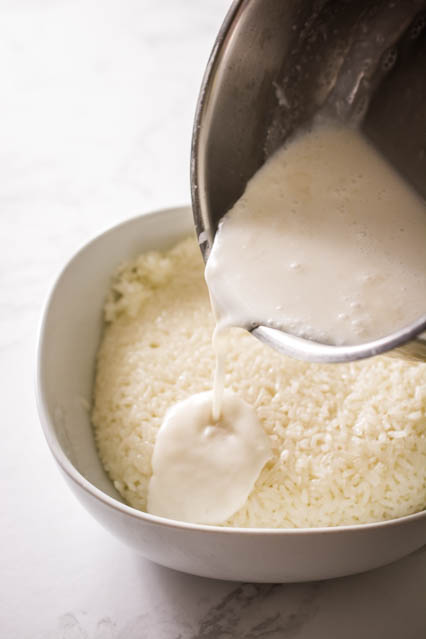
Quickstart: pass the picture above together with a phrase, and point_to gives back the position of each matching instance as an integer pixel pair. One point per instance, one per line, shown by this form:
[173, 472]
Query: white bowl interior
[73, 331]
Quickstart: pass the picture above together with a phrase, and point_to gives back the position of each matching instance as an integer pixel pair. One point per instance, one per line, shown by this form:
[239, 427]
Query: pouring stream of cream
[328, 243]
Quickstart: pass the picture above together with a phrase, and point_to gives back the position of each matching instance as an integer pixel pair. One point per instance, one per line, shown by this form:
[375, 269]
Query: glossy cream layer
[327, 242]
[204, 469]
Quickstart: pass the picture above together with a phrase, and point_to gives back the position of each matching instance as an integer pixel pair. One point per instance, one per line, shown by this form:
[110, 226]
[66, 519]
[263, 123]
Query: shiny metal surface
[275, 66]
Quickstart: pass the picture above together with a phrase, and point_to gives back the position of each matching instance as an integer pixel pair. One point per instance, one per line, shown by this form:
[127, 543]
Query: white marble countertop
[97, 100]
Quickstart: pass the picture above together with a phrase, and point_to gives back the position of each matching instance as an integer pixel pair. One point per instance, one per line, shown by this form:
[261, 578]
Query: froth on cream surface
[327, 242]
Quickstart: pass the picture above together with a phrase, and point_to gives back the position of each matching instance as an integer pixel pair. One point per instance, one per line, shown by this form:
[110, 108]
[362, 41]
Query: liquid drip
[328, 243]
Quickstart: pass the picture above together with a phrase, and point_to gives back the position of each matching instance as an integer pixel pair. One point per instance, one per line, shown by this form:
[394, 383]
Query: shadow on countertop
[387, 603]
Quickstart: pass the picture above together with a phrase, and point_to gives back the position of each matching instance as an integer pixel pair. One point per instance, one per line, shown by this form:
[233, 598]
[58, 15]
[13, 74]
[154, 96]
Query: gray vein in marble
[260, 611]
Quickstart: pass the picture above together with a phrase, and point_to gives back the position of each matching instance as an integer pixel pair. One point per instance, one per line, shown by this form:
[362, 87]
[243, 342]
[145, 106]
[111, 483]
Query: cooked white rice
[349, 440]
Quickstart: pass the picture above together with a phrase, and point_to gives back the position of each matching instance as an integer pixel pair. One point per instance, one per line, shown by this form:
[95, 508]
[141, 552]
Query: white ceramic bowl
[69, 338]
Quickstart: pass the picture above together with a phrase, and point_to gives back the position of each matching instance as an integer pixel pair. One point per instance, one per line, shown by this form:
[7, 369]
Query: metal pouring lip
[222, 161]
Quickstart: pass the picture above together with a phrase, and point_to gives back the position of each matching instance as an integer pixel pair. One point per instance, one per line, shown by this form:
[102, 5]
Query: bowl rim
[72, 473]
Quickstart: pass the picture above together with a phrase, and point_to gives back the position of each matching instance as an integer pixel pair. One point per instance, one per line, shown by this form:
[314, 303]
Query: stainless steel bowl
[276, 65]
